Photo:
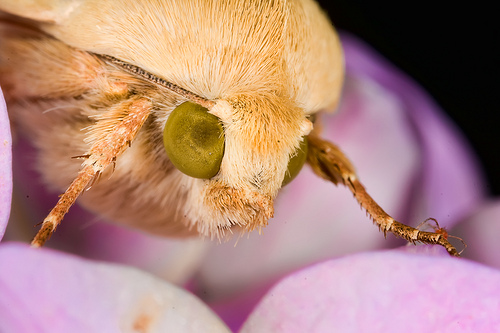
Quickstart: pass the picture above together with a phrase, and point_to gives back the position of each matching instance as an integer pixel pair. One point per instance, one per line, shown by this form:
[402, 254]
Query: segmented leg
[111, 135]
[328, 162]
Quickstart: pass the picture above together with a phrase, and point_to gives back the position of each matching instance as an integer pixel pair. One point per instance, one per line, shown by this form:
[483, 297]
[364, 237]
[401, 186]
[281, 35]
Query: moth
[182, 117]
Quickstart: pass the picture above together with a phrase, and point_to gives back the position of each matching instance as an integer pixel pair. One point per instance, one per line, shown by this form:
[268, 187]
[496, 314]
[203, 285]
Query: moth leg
[111, 135]
[441, 230]
[330, 163]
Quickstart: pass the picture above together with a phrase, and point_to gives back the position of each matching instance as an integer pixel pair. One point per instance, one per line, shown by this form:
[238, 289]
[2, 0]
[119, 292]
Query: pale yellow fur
[266, 64]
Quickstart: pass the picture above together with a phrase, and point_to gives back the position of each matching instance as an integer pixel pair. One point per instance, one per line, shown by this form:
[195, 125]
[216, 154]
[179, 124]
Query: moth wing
[48, 11]
[314, 53]
[156, 39]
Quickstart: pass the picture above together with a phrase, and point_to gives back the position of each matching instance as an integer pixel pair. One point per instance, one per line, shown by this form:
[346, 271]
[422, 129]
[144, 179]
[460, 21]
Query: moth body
[265, 66]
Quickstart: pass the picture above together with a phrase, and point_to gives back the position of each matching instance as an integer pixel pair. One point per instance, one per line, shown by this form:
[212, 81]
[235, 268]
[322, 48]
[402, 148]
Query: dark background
[450, 50]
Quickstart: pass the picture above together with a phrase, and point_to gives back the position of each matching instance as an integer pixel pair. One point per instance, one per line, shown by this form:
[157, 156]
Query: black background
[450, 50]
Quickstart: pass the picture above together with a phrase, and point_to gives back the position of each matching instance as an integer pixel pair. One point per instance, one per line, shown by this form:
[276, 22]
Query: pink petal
[481, 232]
[5, 166]
[390, 291]
[47, 291]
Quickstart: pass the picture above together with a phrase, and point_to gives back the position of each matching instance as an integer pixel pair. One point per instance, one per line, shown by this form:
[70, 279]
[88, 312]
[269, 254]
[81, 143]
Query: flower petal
[390, 291]
[47, 291]
[482, 234]
[5, 166]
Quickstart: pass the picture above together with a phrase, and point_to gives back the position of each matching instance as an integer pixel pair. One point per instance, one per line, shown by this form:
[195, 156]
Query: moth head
[235, 152]
[240, 152]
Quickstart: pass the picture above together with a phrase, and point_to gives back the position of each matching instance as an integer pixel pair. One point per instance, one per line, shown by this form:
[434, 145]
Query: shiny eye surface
[296, 163]
[194, 140]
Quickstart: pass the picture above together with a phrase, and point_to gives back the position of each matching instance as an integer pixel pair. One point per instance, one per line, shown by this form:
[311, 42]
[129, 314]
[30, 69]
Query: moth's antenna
[150, 77]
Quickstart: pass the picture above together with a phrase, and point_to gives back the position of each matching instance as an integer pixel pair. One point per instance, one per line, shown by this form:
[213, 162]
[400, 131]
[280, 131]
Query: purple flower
[387, 291]
[48, 291]
[5, 166]
[411, 160]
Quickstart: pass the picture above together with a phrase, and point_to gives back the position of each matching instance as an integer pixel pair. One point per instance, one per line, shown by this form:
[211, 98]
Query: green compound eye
[296, 162]
[194, 140]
